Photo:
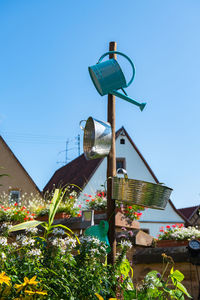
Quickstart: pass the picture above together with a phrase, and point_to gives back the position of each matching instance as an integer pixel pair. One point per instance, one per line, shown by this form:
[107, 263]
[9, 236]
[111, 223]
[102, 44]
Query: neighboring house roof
[19, 164]
[188, 212]
[78, 172]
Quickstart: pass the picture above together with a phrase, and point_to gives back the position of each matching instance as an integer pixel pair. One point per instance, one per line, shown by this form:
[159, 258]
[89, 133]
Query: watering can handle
[122, 54]
[81, 125]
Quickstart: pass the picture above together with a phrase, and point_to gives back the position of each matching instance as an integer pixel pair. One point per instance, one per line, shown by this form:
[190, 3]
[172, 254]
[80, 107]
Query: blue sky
[46, 47]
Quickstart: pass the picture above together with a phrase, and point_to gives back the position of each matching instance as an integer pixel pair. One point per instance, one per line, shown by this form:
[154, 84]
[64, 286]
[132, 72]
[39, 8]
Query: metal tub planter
[140, 192]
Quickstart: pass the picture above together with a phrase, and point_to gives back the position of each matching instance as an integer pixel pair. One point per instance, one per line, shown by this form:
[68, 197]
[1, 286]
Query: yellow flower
[4, 279]
[36, 292]
[99, 297]
[26, 282]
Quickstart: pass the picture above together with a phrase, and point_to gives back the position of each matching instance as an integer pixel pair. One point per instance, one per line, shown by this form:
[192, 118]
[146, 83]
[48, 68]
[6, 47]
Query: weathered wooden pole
[111, 170]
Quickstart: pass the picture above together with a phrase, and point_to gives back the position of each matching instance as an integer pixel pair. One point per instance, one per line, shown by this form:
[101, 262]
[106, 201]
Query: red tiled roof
[188, 212]
[78, 172]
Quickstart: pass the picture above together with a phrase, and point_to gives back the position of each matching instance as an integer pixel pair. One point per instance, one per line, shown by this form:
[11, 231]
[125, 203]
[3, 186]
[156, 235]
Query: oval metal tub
[140, 192]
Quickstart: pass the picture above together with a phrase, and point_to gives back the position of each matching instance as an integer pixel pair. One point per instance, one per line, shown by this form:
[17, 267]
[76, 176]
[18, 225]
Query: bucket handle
[81, 125]
[122, 54]
[123, 171]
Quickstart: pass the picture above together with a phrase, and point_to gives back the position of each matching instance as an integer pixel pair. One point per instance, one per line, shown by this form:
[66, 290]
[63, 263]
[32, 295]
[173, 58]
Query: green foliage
[69, 268]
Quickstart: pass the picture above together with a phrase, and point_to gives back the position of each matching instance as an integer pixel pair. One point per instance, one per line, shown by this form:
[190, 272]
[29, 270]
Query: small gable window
[122, 141]
[120, 164]
[14, 196]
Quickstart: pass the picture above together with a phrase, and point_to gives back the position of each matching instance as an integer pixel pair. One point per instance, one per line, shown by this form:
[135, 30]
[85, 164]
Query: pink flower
[79, 206]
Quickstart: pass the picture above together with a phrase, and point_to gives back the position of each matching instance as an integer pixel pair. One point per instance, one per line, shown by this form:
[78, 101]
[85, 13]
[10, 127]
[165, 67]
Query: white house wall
[154, 219]
[136, 169]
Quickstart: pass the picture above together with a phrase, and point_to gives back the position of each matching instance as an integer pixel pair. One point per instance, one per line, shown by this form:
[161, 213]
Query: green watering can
[108, 77]
[99, 231]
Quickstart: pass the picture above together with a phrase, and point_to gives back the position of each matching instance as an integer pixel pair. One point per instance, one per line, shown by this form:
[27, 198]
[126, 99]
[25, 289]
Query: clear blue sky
[46, 47]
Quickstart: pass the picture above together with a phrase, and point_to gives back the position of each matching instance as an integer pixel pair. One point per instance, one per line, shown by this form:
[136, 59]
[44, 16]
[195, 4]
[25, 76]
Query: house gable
[18, 178]
[137, 168]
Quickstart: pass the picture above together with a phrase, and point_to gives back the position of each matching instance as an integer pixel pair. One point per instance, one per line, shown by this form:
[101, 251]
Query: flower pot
[58, 216]
[171, 243]
[99, 212]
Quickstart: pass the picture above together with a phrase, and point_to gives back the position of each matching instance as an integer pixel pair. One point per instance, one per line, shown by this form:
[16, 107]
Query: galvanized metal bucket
[140, 192]
[97, 138]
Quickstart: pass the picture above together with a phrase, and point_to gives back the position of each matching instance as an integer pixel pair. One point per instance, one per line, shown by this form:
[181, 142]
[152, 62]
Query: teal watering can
[99, 231]
[108, 78]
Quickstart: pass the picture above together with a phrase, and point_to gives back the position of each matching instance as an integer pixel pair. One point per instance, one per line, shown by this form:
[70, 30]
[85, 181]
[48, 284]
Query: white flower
[3, 256]
[33, 230]
[25, 241]
[126, 244]
[58, 231]
[15, 245]
[35, 252]
[3, 241]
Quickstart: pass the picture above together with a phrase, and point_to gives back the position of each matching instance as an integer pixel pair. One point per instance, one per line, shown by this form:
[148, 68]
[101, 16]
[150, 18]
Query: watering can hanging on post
[108, 78]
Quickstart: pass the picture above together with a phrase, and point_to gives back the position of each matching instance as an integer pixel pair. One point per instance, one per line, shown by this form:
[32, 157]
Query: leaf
[181, 287]
[177, 275]
[53, 205]
[125, 267]
[26, 225]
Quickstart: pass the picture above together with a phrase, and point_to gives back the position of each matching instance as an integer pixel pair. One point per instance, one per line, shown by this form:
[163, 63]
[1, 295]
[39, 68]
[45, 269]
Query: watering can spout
[117, 94]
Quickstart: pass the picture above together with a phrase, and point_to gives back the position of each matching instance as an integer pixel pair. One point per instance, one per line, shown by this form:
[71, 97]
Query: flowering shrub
[15, 213]
[179, 232]
[99, 202]
[32, 206]
[133, 212]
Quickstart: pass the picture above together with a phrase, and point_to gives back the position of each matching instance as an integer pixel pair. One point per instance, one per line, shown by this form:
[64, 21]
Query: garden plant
[40, 260]
[179, 232]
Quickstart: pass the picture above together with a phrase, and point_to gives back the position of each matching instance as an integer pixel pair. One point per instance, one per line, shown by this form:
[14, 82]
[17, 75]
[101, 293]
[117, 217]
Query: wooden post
[111, 170]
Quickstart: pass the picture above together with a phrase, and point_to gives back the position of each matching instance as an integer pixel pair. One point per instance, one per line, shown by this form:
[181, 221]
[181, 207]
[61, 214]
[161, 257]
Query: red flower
[90, 196]
[168, 226]
[15, 204]
[28, 212]
[161, 230]
[87, 200]
[130, 207]
[33, 215]
[173, 225]
[79, 215]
